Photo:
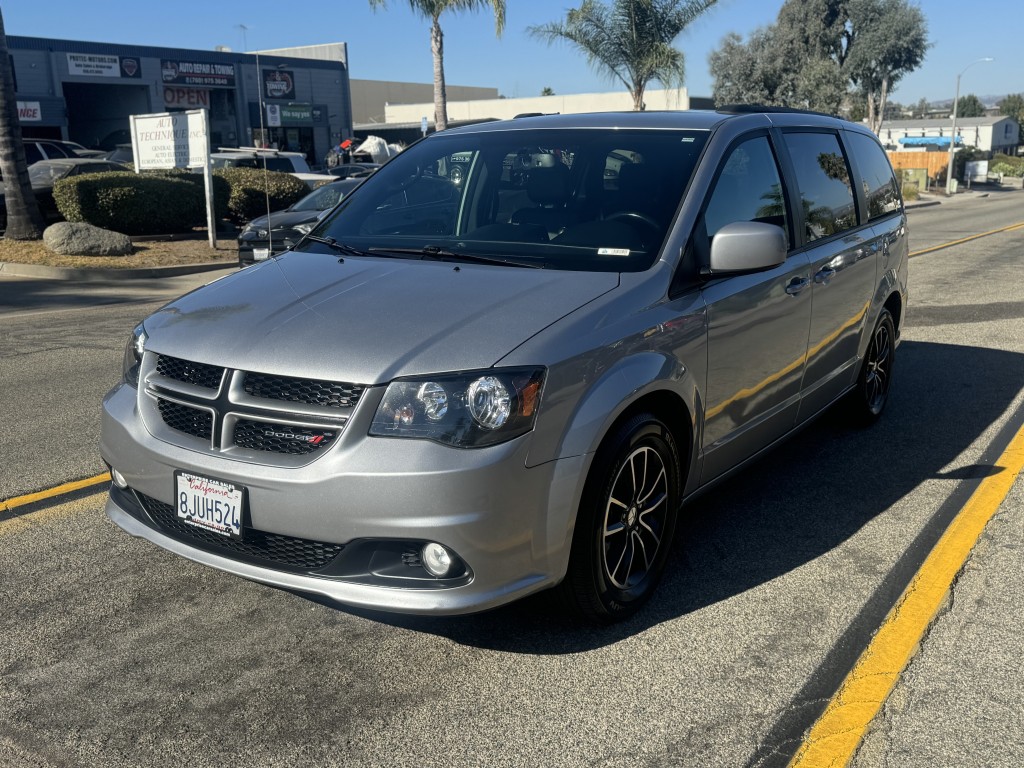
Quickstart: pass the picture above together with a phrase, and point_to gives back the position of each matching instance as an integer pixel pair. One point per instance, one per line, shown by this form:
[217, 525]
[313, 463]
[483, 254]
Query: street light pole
[952, 137]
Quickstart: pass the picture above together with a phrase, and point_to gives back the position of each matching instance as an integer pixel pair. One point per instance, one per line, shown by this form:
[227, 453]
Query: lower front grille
[282, 552]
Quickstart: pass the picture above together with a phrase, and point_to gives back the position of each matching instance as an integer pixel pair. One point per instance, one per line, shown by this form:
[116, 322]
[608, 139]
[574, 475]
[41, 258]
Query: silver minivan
[507, 360]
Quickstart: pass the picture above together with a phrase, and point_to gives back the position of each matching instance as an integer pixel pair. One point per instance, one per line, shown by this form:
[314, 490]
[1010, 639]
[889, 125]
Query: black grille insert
[199, 374]
[281, 438]
[284, 552]
[309, 391]
[191, 421]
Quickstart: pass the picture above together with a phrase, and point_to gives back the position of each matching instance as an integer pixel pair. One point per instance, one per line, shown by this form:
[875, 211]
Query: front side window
[823, 178]
[538, 197]
[879, 183]
[748, 188]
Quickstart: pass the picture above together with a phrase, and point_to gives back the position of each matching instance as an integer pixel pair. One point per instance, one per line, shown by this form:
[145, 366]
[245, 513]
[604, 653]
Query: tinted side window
[282, 164]
[876, 175]
[823, 177]
[749, 188]
[53, 150]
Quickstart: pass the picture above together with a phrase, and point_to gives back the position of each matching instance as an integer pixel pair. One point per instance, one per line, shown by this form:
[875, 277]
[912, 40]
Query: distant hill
[989, 101]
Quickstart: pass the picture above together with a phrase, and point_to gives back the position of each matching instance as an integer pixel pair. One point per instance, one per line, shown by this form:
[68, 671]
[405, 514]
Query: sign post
[176, 140]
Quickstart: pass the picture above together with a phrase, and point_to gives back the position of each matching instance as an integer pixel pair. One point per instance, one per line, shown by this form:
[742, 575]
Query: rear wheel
[626, 522]
[868, 399]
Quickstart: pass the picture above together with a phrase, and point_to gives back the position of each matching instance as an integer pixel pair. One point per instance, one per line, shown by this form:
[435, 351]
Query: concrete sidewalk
[66, 273]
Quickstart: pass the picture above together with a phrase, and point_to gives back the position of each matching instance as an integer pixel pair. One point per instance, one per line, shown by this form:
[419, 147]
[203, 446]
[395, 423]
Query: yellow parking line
[968, 239]
[49, 493]
[834, 738]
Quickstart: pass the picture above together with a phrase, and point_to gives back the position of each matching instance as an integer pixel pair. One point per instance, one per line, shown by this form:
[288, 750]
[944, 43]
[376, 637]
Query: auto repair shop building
[85, 92]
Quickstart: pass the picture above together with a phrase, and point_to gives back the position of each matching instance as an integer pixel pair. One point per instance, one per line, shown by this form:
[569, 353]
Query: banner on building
[30, 112]
[181, 72]
[103, 65]
[278, 84]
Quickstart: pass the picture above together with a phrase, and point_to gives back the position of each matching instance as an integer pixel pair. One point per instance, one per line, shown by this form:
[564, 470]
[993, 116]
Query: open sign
[190, 98]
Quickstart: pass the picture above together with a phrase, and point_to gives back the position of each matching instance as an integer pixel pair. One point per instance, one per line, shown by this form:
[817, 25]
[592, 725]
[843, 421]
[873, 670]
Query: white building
[505, 109]
[995, 133]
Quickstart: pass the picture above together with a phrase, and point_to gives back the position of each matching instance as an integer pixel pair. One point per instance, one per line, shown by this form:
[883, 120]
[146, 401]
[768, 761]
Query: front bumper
[377, 498]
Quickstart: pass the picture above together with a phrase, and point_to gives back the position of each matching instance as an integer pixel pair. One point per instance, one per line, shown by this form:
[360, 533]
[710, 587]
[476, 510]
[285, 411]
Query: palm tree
[432, 9]
[631, 40]
[24, 222]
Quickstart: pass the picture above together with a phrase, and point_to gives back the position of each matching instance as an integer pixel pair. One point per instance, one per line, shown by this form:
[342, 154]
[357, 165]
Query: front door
[757, 323]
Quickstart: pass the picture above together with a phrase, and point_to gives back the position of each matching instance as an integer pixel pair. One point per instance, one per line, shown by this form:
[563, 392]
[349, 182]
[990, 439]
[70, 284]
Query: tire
[871, 393]
[626, 522]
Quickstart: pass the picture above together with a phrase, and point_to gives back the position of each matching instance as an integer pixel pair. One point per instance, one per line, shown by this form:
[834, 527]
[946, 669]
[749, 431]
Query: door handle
[796, 285]
[822, 276]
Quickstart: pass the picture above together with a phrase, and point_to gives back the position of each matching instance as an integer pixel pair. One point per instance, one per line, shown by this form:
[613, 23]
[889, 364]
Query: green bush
[1007, 165]
[153, 203]
[250, 188]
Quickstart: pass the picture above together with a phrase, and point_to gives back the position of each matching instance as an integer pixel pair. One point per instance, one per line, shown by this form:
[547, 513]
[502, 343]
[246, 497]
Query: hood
[367, 320]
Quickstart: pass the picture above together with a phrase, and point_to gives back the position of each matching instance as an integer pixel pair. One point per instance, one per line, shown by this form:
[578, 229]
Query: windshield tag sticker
[613, 251]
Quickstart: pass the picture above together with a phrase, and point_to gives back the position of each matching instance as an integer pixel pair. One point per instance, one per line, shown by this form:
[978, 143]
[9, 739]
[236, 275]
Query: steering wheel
[635, 217]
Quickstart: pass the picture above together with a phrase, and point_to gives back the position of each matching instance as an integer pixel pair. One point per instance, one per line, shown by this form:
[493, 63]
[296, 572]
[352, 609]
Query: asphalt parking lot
[116, 653]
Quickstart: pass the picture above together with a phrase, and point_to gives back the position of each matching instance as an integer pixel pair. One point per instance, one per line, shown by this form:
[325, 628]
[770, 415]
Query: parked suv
[456, 392]
[272, 159]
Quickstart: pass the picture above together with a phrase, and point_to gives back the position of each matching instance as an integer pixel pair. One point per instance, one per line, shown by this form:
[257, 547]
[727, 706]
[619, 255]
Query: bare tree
[24, 221]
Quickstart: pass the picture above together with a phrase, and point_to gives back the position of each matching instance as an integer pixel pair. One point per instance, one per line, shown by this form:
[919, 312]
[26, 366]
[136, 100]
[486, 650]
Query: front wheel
[626, 522]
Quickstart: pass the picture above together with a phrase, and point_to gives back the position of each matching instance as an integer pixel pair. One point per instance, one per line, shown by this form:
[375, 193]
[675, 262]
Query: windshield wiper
[330, 242]
[436, 252]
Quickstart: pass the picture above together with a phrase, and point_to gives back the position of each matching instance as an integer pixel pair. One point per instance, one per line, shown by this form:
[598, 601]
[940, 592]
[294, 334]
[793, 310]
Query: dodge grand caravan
[507, 360]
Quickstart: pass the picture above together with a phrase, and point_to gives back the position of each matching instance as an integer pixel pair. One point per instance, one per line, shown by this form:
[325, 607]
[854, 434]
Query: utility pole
[952, 138]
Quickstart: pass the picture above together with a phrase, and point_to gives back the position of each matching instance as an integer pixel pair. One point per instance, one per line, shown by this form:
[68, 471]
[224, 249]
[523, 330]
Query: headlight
[133, 355]
[467, 410]
[306, 228]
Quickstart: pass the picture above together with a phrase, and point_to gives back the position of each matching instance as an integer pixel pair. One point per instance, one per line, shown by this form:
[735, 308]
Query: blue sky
[394, 44]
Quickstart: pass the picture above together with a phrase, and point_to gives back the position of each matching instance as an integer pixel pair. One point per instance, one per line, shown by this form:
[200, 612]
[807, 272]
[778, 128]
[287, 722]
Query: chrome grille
[245, 412]
[199, 374]
[183, 418]
[309, 391]
[283, 551]
[281, 438]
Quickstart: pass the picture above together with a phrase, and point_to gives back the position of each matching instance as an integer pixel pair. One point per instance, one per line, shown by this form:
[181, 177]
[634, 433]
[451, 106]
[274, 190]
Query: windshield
[581, 199]
[323, 197]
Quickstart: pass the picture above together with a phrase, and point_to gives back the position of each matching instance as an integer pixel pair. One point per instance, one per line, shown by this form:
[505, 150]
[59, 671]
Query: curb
[927, 204]
[87, 275]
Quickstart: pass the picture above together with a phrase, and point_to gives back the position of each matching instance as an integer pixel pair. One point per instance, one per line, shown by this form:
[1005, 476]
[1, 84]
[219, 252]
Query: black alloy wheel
[872, 391]
[626, 522]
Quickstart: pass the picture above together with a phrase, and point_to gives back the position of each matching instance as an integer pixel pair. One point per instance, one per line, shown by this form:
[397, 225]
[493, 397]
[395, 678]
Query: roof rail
[534, 114]
[248, 149]
[742, 109]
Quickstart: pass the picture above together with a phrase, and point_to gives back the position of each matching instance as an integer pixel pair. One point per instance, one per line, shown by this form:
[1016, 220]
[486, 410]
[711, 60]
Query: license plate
[260, 254]
[209, 504]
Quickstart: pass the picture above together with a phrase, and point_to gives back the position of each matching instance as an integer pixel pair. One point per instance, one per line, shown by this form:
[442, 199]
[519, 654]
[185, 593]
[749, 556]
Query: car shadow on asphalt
[793, 505]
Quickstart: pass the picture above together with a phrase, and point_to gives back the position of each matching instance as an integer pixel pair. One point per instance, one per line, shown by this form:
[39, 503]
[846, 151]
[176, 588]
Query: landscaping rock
[80, 239]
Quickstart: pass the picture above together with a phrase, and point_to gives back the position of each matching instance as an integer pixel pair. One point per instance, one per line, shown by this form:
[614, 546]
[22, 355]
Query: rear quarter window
[876, 176]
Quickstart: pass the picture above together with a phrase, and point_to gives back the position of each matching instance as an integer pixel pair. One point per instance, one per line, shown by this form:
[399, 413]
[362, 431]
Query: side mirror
[747, 246]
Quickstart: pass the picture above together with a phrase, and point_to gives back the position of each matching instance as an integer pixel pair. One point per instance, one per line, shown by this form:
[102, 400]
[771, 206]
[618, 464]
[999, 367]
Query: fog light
[436, 559]
[118, 479]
